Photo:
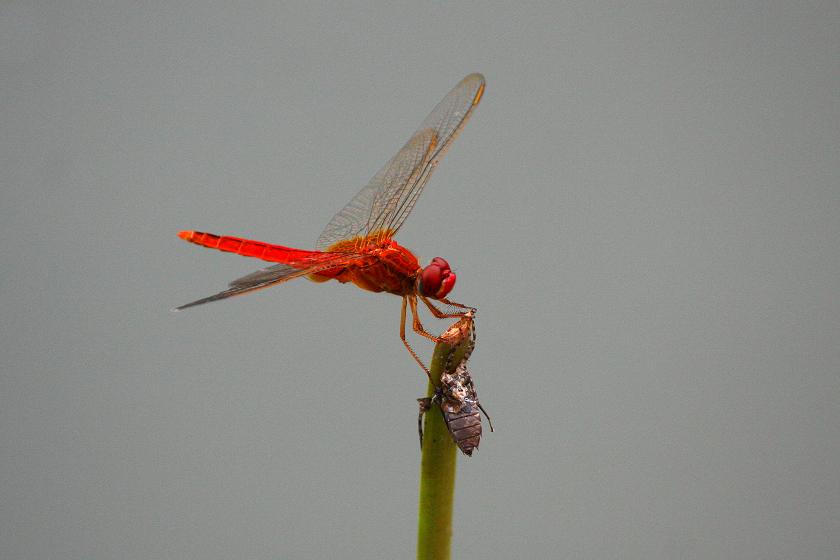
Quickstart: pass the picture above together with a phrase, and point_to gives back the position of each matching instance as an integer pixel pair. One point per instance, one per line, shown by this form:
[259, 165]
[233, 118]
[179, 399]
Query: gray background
[645, 209]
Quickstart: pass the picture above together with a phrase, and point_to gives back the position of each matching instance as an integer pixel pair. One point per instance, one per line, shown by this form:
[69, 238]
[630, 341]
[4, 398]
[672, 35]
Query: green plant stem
[437, 471]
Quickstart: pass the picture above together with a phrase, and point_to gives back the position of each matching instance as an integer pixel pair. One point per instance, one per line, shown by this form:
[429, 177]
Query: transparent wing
[363, 215]
[381, 207]
[274, 274]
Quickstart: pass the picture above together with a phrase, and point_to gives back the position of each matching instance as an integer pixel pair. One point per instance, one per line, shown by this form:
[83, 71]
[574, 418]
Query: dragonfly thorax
[436, 280]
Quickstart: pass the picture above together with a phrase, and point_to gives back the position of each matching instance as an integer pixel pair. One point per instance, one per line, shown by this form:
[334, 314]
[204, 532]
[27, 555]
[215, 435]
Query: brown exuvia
[459, 404]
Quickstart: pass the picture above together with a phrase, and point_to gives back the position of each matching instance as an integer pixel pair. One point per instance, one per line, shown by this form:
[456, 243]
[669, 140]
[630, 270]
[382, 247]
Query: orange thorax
[386, 267]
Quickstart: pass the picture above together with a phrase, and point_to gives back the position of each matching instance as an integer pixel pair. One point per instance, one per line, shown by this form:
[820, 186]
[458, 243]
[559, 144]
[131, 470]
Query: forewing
[447, 120]
[361, 215]
[271, 275]
[381, 207]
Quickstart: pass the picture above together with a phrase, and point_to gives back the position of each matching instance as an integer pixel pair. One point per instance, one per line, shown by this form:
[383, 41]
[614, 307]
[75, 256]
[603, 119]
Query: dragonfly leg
[454, 304]
[416, 324]
[437, 312]
[402, 336]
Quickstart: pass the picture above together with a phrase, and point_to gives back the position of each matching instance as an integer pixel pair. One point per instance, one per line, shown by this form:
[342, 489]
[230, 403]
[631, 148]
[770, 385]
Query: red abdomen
[247, 247]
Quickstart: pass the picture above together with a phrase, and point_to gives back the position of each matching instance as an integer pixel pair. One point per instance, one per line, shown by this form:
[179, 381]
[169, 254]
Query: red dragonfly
[356, 245]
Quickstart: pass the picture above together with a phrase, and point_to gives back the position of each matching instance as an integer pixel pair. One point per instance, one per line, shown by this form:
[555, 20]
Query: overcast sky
[644, 208]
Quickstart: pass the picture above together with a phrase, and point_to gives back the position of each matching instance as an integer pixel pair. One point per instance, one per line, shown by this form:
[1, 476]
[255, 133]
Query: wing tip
[481, 84]
[477, 99]
[194, 303]
[201, 301]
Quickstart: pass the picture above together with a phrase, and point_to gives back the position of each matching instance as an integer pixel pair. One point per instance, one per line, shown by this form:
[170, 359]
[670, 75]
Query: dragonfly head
[437, 279]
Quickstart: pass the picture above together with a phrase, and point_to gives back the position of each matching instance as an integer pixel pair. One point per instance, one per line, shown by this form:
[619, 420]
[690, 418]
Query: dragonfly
[357, 244]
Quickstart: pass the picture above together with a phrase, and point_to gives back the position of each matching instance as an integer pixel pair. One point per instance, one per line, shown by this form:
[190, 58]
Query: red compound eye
[438, 261]
[447, 285]
[437, 280]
